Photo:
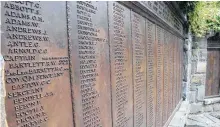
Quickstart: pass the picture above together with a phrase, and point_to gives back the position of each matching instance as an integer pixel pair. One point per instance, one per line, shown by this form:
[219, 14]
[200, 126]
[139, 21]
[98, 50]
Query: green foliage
[203, 16]
[187, 6]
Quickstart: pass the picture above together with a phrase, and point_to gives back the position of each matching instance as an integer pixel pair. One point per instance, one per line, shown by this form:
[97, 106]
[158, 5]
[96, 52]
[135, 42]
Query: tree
[203, 16]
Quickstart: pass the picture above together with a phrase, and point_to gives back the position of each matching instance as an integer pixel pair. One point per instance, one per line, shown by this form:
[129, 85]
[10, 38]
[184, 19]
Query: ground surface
[211, 119]
[183, 118]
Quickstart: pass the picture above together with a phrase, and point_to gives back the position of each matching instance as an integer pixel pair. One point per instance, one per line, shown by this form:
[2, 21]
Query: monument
[89, 64]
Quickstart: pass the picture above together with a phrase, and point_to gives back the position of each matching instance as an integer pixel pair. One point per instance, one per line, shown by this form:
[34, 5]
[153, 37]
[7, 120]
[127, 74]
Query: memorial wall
[90, 64]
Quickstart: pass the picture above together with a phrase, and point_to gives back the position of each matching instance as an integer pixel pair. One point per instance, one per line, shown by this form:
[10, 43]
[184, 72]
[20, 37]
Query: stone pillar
[187, 66]
[196, 93]
[198, 76]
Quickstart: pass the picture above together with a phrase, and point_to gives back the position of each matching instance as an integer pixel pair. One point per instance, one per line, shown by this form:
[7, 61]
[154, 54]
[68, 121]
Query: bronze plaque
[121, 64]
[174, 73]
[177, 71]
[139, 69]
[35, 50]
[151, 73]
[170, 74]
[180, 66]
[159, 73]
[90, 67]
[165, 74]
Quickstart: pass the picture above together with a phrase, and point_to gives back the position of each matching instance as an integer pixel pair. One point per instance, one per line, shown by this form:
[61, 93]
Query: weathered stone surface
[208, 101]
[192, 96]
[204, 119]
[215, 114]
[200, 92]
[195, 108]
[208, 108]
[216, 107]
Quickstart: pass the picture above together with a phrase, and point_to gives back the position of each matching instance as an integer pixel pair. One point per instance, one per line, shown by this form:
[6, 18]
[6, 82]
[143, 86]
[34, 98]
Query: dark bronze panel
[35, 49]
[166, 80]
[171, 72]
[181, 66]
[177, 71]
[90, 64]
[121, 65]
[159, 77]
[174, 73]
[139, 69]
[151, 73]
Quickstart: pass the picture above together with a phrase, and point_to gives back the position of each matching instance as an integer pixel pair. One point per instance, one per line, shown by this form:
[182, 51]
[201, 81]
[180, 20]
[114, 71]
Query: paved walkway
[211, 119]
[179, 119]
[205, 119]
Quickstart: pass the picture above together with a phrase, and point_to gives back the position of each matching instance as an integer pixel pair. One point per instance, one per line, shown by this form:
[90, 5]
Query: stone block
[193, 123]
[211, 100]
[200, 92]
[192, 96]
[216, 107]
[195, 108]
[208, 108]
[215, 114]
[214, 119]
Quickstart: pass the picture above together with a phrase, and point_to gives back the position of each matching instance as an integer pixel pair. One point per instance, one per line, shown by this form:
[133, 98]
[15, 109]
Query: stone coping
[212, 100]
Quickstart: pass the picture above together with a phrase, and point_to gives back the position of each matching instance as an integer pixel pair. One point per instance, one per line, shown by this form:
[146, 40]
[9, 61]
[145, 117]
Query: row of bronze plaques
[87, 64]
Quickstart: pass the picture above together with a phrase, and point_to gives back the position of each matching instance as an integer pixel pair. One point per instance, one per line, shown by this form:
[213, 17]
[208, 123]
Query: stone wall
[198, 70]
